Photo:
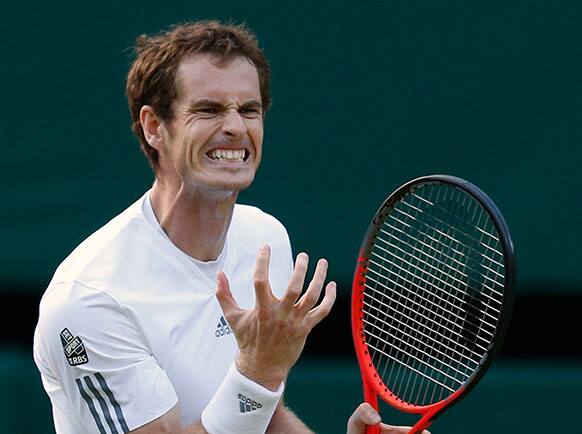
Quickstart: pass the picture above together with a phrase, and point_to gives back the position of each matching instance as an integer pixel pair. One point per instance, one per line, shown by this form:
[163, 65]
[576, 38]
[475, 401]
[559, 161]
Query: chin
[226, 184]
[235, 185]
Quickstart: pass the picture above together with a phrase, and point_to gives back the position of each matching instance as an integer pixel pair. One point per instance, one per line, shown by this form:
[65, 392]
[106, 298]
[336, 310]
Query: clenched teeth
[235, 155]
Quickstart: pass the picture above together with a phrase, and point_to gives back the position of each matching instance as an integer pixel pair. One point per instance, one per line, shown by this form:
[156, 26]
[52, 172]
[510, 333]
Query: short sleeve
[96, 365]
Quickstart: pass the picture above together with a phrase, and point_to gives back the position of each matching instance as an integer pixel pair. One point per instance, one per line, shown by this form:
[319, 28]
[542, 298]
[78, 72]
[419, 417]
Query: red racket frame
[371, 381]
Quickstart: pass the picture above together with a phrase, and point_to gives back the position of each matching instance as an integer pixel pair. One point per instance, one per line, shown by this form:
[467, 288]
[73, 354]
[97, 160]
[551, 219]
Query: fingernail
[265, 248]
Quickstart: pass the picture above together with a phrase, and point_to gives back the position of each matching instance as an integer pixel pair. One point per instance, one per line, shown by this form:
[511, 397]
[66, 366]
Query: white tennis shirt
[130, 325]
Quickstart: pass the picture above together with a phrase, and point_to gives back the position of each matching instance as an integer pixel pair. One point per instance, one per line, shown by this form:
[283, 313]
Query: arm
[272, 335]
[169, 423]
[285, 421]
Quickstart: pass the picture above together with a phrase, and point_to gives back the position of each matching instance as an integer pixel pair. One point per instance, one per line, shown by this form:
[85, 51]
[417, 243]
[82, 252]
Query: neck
[195, 219]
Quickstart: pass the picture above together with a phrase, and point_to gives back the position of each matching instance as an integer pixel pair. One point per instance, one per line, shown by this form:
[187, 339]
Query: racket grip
[371, 398]
[373, 429]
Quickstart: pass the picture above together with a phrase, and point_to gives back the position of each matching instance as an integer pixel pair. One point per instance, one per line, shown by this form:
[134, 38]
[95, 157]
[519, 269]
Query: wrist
[265, 376]
[240, 405]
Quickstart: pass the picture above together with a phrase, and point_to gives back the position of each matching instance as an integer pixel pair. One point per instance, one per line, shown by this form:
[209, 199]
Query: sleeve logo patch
[74, 348]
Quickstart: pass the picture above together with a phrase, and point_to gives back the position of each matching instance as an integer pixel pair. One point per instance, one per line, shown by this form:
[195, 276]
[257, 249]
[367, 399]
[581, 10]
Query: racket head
[411, 331]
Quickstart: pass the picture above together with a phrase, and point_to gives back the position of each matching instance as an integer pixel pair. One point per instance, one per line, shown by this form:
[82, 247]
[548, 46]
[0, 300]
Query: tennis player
[184, 313]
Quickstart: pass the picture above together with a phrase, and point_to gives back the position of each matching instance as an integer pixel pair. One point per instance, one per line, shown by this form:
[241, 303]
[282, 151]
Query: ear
[152, 127]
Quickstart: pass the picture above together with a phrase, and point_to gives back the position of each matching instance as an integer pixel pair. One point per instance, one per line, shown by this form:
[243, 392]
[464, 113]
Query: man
[184, 314]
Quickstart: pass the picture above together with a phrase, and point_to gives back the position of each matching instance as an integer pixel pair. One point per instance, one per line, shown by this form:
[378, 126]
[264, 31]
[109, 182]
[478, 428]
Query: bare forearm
[169, 423]
[284, 421]
[195, 428]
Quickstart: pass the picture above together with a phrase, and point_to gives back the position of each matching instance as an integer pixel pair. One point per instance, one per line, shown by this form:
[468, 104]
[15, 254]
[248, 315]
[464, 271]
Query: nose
[233, 124]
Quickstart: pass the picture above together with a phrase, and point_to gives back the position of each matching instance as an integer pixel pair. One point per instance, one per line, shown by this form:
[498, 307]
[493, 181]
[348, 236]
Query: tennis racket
[432, 296]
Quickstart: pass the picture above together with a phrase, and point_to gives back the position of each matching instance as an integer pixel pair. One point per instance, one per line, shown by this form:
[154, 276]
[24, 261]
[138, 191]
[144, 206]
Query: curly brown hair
[151, 80]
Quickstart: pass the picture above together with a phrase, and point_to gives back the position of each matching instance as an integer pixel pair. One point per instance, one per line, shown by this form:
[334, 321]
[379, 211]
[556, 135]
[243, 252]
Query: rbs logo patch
[74, 348]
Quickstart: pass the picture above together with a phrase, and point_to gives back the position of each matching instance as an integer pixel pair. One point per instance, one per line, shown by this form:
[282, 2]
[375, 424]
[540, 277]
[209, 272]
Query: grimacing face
[215, 137]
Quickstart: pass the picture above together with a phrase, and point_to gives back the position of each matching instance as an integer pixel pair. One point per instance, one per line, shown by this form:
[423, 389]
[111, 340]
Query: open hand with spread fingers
[271, 336]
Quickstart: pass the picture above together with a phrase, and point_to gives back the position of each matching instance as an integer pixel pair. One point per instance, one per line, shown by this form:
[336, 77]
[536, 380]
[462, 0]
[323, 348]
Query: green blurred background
[366, 96]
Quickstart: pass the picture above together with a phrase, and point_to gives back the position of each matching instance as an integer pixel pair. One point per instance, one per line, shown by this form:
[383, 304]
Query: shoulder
[76, 306]
[74, 318]
[73, 303]
[254, 227]
[253, 219]
[106, 254]
[64, 311]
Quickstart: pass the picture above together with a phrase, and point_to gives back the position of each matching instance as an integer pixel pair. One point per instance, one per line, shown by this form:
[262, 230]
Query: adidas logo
[247, 404]
[222, 328]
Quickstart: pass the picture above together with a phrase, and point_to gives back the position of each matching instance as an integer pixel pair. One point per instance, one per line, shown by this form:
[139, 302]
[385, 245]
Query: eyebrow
[208, 102]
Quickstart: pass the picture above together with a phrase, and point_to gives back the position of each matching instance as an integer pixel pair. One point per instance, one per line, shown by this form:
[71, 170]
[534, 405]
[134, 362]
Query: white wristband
[240, 406]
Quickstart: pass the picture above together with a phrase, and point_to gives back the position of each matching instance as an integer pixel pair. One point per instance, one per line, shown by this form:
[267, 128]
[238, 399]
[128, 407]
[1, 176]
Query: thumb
[363, 416]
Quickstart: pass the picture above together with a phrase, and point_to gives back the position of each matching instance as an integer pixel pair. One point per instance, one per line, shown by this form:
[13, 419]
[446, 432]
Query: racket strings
[458, 220]
[473, 275]
[458, 241]
[424, 312]
[429, 363]
[426, 332]
[433, 292]
[446, 244]
[452, 304]
[449, 270]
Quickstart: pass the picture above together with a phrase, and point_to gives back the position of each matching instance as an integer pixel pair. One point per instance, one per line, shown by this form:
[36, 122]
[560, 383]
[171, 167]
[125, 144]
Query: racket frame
[373, 384]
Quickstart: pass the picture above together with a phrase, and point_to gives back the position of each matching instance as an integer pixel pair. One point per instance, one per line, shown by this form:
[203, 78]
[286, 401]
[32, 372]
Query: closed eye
[208, 110]
[250, 112]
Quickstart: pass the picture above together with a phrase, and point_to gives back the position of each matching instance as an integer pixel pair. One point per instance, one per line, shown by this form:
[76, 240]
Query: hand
[272, 335]
[365, 415]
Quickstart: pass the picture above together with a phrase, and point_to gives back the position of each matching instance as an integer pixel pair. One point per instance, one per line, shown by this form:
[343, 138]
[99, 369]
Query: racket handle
[371, 398]
[373, 429]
